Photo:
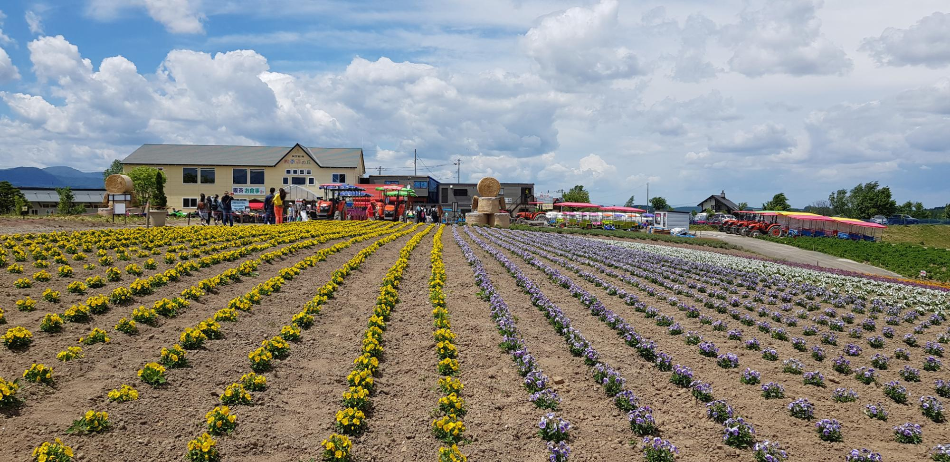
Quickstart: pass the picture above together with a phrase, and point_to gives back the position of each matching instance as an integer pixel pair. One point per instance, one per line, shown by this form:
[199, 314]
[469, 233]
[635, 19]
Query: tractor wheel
[776, 231]
[755, 233]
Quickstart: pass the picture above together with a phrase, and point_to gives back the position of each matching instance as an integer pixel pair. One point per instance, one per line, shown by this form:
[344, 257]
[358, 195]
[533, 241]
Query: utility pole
[648, 194]
[415, 159]
[458, 171]
[380, 169]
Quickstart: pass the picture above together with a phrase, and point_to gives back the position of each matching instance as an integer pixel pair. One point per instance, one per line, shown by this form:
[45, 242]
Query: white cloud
[578, 46]
[783, 37]
[178, 16]
[925, 43]
[8, 72]
[764, 138]
[34, 21]
[4, 39]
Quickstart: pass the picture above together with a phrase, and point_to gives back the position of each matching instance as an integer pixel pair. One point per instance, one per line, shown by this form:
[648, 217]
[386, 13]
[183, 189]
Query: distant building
[719, 203]
[247, 172]
[431, 191]
[45, 201]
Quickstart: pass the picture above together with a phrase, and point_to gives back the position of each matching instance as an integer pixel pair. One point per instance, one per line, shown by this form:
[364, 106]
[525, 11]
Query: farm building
[432, 191]
[44, 201]
[248, 172]
[719, 203]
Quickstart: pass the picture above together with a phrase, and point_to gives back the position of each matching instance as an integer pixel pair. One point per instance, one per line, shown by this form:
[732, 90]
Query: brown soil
[289, 420]
[770, 417]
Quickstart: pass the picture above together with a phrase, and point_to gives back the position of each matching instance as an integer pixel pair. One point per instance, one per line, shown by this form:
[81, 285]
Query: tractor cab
[333, 204]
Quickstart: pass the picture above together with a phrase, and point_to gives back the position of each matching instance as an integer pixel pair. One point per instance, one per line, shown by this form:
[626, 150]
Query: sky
[750, 97]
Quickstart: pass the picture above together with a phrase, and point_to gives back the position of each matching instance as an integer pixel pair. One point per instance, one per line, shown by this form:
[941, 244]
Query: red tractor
[531, 215]
[333, 204]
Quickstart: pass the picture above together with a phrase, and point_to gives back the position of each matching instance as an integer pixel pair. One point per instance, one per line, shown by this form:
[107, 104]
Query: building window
[309, 172]
[460, 192]
[298, 180]
[385, 182]
[420, 184]
[294, 171]
[338, 178]
[189, 175]
[310, 181]
[445, 195]
[286, 181]
[287, 172]
[239, 176]
[207, 176]
[189, 202]
[501, 191]
[257, 176]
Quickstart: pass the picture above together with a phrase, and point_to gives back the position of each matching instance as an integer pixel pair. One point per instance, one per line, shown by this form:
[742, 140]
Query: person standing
[279, 205]
[202, 210]
[208, 215]
[216, 209]
[269, 208]
[228, 218]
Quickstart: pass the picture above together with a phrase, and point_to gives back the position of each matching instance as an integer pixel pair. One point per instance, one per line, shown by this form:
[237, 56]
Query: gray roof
[263, 156]
[47, 195]
[723, 200]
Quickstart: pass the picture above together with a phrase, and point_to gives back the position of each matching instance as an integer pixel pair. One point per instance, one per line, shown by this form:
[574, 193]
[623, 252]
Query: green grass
[902, 258]
[632, 235]
[926, 235]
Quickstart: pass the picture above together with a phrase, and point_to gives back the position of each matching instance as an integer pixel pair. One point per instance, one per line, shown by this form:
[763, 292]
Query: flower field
[374, 341]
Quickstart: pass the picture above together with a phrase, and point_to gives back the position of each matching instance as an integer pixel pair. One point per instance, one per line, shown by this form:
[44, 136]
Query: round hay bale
[488, 187]
[119, 184]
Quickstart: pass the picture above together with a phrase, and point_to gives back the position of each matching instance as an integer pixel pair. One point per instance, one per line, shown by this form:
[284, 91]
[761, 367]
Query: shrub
[17, 338]
[829, 430]
[124, 393]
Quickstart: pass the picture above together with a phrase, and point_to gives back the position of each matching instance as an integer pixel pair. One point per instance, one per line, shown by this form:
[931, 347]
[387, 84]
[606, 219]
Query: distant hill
[51, 177]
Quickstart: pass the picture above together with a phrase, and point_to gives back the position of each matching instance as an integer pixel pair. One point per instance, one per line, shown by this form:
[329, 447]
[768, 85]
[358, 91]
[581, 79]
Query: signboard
[239, 205]
[249, 190]
[119, 208]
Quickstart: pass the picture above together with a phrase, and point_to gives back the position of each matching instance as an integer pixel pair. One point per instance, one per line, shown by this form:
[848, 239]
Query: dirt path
[680, 418]
[784, 252]
[304, 391]
[163, 420]
[599, 431]
[500, 419]
[408, 381]
[769, 417]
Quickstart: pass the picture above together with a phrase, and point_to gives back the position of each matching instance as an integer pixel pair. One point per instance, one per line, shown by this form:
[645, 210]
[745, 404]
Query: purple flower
[801, 408]
[843, 395]
[932, 408]
[559, 451]
[863, 455]
[750, 377]
[768, 451]
[829, 429]
[641, 421]
[773, 390]
[728, 361]
[719, 411]
[738, 433]
[875, 411]
[708, 349]
[908, 433]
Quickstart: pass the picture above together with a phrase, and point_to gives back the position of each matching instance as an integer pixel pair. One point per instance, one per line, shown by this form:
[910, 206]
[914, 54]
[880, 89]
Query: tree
[576, 194]
[143, 183]
[659, 203]
[840, 203]
[160, 199]
[819, 207]
[8, 198]
[743, 205]
[946, 212]
[67, 202]
[778, 202]
[919, 211]
[113, 169]
[868, 200]
[629, 202]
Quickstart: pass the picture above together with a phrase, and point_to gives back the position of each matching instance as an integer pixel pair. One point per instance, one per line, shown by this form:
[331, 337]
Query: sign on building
[248, 191]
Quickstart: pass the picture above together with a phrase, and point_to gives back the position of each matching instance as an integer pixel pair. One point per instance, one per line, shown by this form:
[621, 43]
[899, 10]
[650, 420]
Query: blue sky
[753, 97]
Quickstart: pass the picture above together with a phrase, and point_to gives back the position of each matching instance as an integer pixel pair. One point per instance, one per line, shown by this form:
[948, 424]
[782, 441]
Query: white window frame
[311, 181]
[286, 180]
[189, 199]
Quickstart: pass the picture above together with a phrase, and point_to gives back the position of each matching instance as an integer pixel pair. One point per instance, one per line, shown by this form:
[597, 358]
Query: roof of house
[50, 195]
[252, 156]
[723, 200]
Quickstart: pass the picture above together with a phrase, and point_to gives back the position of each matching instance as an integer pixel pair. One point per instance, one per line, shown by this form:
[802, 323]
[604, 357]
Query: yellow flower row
[351, 420]
[448, 428]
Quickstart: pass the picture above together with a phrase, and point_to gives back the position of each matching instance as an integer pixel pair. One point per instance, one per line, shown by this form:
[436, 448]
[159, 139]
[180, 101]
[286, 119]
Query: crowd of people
[277, 209]
[217, 208]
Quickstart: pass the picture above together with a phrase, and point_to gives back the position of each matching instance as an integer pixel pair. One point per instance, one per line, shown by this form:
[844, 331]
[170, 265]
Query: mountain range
[52, 177]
